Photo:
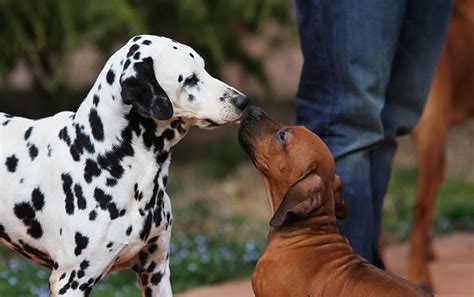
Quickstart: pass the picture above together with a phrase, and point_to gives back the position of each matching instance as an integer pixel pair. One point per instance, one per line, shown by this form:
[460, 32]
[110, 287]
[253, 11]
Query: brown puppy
[305, 254]
[450, 102]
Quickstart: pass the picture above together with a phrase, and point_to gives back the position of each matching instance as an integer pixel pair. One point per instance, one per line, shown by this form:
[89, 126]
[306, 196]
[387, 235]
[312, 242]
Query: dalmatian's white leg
[152, 267]
[156, 282]
[78, 279]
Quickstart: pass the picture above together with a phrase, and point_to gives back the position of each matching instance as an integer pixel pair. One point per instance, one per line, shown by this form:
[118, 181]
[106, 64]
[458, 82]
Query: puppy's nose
[241, 101]
[254, 111]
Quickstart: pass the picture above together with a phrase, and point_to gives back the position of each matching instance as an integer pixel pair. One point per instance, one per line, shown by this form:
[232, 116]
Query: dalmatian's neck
[111, 123]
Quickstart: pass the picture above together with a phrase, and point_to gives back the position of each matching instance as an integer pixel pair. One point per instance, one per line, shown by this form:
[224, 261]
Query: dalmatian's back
[31, 162]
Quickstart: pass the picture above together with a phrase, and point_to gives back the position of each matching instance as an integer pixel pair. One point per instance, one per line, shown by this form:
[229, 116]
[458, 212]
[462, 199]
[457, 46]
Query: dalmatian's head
[164, 79]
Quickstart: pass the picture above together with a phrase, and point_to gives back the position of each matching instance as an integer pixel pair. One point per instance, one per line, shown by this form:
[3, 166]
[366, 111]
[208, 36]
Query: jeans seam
[331, 74]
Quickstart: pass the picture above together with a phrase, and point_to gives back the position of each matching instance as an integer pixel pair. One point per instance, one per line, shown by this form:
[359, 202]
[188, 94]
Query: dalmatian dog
[84, 193]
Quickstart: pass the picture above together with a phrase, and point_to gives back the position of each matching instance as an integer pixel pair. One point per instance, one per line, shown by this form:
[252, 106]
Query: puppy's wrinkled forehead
[311, 149]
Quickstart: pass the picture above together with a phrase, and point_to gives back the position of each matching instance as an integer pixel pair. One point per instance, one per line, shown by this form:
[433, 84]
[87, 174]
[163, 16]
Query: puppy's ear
[300, 200]
[145, 94]
[339, 204]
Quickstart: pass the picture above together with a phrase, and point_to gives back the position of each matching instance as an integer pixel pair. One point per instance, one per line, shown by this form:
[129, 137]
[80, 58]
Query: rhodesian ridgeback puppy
[306, 255]
[450, 102]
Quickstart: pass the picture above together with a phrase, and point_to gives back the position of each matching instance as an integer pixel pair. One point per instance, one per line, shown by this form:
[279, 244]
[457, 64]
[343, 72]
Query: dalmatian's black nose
[241, 101]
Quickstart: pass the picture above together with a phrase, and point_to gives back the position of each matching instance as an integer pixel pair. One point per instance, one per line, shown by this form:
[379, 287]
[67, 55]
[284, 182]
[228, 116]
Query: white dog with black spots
[84, 193]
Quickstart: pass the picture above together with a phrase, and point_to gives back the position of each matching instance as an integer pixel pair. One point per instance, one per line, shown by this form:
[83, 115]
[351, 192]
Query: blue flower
[192, 267]
[12, 281]
[14, 265]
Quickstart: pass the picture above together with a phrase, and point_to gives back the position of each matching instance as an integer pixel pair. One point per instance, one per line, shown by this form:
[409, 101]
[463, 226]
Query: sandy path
[453, 271]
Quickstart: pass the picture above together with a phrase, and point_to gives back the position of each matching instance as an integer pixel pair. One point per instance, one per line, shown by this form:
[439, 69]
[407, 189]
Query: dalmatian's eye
[191, 80]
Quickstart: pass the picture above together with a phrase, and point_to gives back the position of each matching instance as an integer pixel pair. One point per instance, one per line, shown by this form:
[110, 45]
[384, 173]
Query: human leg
[348, 50]
[415, 60]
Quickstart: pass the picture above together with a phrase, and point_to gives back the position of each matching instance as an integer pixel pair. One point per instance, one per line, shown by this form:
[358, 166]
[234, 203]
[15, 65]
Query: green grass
[210, 246]
[454, 205]
[229, 154]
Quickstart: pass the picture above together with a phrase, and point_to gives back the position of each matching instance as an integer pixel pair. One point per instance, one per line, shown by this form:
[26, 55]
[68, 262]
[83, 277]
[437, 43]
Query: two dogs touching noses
[305, 254]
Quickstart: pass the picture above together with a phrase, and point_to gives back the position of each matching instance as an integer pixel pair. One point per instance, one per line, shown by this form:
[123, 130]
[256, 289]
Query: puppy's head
[164, 79]
[297, 167]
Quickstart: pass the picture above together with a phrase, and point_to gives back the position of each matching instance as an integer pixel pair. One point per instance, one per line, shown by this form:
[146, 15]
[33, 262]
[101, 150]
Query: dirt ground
[453, 271]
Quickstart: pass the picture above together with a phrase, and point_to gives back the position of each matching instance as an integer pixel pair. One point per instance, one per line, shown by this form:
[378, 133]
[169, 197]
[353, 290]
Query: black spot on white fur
[95, 99]
[125, 66]
[168, 134]
[81, 243]
[37, 198]
[156, 278]
[110, 76]
[63, 135]
[28, 133]
[91, 170]
[96, 125]
[110, 182]
[11, 163]
[84, 265]
[81, 200]
[132, 50]
[146, 227]
[25, 212]
[33, 151]
[106, 203]
[92, 215]
[67, 188]
[128, 231]
[81, 144]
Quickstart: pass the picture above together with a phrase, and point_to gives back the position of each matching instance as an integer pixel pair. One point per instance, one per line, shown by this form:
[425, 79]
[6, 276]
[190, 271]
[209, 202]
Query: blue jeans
[367, 70]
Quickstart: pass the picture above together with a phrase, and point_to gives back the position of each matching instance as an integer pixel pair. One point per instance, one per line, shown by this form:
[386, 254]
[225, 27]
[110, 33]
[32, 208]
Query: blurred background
[52, 51]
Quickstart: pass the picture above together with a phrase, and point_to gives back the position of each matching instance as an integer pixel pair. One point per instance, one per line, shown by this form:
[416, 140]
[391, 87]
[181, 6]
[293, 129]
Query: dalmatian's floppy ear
[300, 200]
[143, 91]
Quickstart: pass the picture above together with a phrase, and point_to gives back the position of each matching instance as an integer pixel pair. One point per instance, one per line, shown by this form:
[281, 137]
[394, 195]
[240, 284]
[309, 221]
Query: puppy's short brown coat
[306, 255]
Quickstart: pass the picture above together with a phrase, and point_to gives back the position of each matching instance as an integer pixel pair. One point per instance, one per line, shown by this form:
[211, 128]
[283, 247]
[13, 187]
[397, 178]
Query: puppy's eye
[281, 136]
[191, 80]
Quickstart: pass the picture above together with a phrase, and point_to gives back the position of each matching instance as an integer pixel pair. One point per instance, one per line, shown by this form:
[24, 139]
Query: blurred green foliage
[46, 32]
[230, 155]
[216, 28]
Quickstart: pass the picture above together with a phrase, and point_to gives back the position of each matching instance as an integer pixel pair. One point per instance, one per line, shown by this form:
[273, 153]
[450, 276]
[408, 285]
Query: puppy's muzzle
[255, 123]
